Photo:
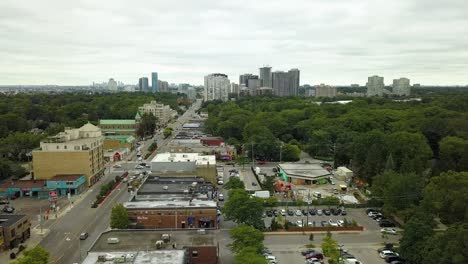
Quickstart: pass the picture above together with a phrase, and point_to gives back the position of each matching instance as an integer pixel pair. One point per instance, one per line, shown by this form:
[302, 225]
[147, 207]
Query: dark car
[307, 251]
[386, 223]
[304, 212]
[390, 259]
[269, 213]
[290, 212]
[368, 210]
[312, 211]
[316, 255]
[9, 209]
[387, 246]
[326, 212]
[276, 213]
[343, 212]
[254, 184]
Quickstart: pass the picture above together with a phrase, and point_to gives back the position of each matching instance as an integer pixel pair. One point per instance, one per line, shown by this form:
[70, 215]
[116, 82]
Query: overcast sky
[330, 41]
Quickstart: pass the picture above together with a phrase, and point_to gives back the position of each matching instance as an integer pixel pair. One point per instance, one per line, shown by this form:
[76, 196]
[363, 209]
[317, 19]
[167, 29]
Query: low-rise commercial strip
[150, 246]
[185, 164]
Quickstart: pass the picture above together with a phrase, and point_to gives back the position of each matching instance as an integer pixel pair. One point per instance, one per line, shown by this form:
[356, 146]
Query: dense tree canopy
[243, 209]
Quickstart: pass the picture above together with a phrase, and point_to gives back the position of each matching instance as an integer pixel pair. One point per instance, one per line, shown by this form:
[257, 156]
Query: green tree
[446, 196]
[167, 132]
[36, 255]
[147, 125]
[271, 201]
[245, 236]
[244, 209]
[119, 217]
[454, 154]
[398, 191]
[234, 183]
[290, 153]
[415, 233]
[269, 184]
[153, 147]
[249, 255]
[330, 248]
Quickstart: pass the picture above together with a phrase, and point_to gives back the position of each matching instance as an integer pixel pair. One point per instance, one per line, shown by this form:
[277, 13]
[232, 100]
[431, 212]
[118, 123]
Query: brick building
[14, 229]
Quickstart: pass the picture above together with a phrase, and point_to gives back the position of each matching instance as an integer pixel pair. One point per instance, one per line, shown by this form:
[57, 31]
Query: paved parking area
[359, 215]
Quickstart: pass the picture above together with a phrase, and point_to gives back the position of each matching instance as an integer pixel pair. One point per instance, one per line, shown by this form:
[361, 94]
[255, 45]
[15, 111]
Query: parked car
[4, 201]
[391, 259]
[343, 212]
[220, 182]
[313, 211]
[8, 209]
[299, 223]
[220, 197]
[139, 167]
[324, 223]
[276, 213]
[84, 236]
[283, 212]
[298, 213]
[269, 213]
[290, 212]
[388, 230]
[307, 251]
[332, 223]
[386, 253]
[326, 212]
[319, 212]
[316, 255]
[254, 184]
[116, 166]
[304, 212]
[340, 222]
[386, 224]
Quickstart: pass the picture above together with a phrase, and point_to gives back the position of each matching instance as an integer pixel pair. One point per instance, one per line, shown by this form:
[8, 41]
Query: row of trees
[367, 134]
[50, 113]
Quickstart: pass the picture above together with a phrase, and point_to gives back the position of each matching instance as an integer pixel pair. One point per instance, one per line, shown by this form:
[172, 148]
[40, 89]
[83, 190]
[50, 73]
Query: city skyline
[338, 42]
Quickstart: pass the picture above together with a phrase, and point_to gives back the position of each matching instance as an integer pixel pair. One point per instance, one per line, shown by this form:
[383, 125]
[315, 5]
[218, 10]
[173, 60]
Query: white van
[113, 240]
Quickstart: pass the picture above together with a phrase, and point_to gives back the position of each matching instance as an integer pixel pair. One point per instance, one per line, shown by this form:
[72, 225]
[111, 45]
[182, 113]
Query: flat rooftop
[185, 157]
[174, 185]
[138, 240]
[8, 220]
[170, 204]
[308, 171]
[157, 256]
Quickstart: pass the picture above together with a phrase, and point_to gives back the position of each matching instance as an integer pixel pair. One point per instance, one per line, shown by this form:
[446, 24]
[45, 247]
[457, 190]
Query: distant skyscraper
[143, 84]
[375, 86]
[234, 88]
[154, 82]
[265, 76]
[323, 90]
[285, 83]
[401, 87]
[112, 85]
[217, 86]
[253, 85]
[243, 79]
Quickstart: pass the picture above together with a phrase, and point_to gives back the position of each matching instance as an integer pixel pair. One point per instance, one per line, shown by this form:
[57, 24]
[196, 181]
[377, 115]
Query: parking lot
[358, 215]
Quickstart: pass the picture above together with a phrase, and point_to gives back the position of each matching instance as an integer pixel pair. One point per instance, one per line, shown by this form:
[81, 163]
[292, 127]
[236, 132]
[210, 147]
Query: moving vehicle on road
[388, 230]
[8, 209]
[84, 236]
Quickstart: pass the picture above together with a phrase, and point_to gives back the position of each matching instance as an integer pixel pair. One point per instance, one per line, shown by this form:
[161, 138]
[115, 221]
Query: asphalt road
[63, 239]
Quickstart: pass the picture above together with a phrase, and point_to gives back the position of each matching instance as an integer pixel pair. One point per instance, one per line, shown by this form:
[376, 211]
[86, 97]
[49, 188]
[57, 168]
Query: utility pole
[281, 151]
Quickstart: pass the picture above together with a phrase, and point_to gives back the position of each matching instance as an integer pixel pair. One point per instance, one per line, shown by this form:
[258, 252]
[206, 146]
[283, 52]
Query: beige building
[75, 151]
[323, 90]
[162, 112]
[401, 87]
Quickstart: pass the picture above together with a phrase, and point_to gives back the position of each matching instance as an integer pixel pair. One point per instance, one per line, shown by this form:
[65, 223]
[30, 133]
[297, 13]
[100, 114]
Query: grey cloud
[331, 41]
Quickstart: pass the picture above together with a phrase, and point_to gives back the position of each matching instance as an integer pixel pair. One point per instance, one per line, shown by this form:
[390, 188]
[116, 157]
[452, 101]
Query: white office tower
[217, 87]
[375, 86]
[401, 87]
[112, 85]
